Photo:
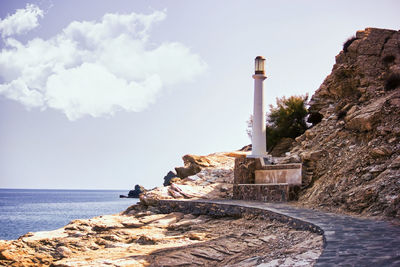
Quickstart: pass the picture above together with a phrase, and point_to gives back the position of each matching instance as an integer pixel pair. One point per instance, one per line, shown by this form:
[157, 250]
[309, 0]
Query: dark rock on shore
[167, 178]
[135, 192]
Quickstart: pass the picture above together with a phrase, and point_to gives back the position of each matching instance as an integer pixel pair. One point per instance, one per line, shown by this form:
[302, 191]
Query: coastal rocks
[137, 191]
[173, 239]
[212, 179]
[186, 171]
[63, 251]
[167, 178]
[151, 197]
[202, 161]
[193, 165]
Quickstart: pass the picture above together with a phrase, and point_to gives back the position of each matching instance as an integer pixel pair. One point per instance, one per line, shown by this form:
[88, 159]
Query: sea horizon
[32, 210]
[67, 189]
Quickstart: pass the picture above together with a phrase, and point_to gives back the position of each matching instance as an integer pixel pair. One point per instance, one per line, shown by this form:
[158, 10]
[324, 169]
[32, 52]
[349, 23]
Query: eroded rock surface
[212, 180]
[144, 237]
[350, 158]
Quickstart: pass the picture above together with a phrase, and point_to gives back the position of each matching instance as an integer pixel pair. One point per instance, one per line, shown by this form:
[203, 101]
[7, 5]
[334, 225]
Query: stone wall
[266, 192]
[254, 180]
[244, 170]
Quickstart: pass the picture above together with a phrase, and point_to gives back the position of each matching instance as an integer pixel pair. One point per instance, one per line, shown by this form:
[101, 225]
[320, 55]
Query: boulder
[137, 191]
[312, 155]
[183, 172]
[168, 177]
[201, 161]
[193, 164]
[383, 151]
[366, 117]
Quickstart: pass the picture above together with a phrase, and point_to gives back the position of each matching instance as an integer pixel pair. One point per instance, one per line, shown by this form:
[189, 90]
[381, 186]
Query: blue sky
[109, 94]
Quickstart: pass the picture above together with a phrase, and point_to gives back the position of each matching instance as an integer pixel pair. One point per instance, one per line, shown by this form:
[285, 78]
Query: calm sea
[31, 210]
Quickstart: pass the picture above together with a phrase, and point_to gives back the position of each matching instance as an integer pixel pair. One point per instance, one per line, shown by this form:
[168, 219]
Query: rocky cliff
[352, 154]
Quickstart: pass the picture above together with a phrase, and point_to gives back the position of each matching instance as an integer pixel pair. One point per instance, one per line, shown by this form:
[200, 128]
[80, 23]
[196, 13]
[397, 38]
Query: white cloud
[22, 21]
[96, 68]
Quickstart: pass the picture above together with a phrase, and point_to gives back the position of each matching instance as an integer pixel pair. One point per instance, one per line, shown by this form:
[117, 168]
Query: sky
[108, 94]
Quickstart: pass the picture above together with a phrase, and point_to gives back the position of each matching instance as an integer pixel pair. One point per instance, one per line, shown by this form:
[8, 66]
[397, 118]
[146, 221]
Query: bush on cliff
[286, 120]
[348, 43]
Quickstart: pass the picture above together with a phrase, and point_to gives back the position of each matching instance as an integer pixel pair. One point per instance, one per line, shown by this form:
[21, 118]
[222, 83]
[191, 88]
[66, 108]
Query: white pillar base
[266, 155]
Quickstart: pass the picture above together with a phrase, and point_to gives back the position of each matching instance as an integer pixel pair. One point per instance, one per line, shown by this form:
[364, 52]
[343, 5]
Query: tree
[287, 119]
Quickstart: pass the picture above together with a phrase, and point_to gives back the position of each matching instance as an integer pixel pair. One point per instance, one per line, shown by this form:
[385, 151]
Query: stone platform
[281, 173]
[254, 179]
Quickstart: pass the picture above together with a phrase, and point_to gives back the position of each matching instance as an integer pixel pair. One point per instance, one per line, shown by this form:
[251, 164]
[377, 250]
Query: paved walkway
[350, 241]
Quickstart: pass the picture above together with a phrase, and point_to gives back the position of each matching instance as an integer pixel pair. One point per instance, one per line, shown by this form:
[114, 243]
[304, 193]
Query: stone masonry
[254, 180]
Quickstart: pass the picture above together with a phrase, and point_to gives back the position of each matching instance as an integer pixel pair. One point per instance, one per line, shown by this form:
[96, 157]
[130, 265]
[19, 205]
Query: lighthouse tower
[259, 141]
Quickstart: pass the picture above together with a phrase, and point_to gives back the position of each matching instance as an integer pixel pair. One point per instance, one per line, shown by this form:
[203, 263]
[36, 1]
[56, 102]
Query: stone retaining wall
[202, 207]
[266, 192]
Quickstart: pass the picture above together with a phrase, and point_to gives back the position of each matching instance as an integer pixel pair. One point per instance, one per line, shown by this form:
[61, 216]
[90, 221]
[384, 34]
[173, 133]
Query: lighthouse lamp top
[259, 65]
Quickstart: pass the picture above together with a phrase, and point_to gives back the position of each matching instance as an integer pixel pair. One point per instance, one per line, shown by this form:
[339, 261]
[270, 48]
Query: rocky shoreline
[144, 236]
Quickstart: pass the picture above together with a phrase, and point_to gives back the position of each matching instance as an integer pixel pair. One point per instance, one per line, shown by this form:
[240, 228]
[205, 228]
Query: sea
[32, 210]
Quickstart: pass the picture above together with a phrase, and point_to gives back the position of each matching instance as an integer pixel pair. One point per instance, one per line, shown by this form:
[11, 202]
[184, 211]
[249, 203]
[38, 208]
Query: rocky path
[349, 241]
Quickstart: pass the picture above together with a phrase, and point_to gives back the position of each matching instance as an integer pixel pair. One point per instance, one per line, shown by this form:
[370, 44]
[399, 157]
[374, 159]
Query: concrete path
[350, 241]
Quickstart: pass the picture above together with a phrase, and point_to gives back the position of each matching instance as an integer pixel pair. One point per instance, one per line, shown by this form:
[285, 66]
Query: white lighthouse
[259, 141]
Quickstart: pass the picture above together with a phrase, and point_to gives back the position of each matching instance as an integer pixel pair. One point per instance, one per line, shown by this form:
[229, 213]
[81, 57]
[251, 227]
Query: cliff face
[352, 156]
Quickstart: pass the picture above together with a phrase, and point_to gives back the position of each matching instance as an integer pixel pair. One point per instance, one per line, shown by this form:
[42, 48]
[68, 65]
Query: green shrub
[287, 119]
[348, 43]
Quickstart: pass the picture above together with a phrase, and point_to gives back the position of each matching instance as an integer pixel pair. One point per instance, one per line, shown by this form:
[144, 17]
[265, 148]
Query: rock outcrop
[193, 164]
[167, 178]
[283, 146]
[135, 193]
[352, 156]
[212, 179]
